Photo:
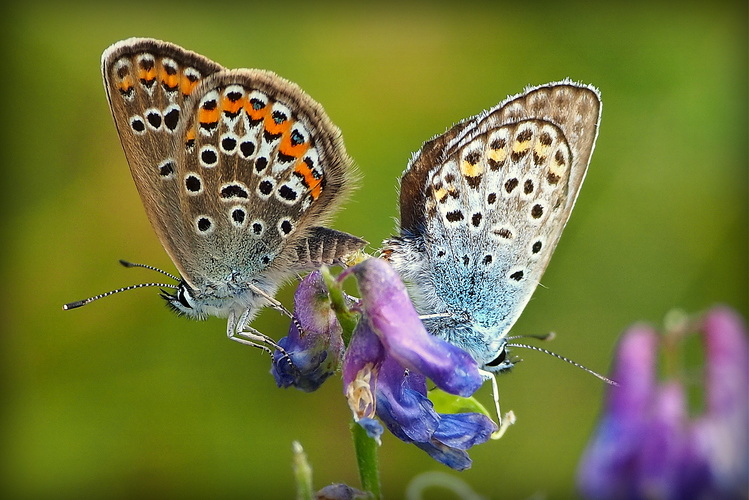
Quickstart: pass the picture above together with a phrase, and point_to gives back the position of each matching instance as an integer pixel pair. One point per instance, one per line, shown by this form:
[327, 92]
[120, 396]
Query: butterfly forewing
[147, 83]
[574, 108]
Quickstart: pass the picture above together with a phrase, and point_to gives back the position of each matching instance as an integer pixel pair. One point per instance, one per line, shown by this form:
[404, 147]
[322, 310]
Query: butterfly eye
[499, 359]
[184, 297]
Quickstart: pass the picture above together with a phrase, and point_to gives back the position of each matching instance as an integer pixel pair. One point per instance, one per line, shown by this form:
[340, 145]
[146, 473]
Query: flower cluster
[648, 446]
[386, 365]
[308, 357]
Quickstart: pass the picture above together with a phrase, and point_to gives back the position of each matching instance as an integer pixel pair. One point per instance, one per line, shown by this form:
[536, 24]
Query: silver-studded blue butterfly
[236, 169]
[482, 208]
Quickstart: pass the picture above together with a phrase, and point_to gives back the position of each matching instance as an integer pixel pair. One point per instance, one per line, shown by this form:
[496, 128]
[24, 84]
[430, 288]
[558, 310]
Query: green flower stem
[366, 459]
[365, 447]
[346, 318]
[302, 473]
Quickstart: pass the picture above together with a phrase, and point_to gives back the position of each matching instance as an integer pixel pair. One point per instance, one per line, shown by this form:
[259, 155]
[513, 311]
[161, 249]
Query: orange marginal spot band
[188, 85]
[169, 81]
[315, 185]
[126, 84]
[274, 128]
[147, 75]
[520, 146]
[233, 107]
[316, 189]
[208, 115]
[257, 114]
[289, 149]
[470, 170]
[190, 137]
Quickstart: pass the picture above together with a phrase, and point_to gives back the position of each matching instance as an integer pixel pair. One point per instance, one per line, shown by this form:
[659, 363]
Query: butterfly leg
[509, 418]
[252, 337]
[272, 302]
[238, 331]
[277, 306]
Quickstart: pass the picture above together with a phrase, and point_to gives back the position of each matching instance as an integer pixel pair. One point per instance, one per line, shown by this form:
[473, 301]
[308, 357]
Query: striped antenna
[146, 266]
[559, 356]
[81, 303]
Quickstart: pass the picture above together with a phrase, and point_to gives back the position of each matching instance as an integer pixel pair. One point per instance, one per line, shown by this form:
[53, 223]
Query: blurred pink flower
[648, 446]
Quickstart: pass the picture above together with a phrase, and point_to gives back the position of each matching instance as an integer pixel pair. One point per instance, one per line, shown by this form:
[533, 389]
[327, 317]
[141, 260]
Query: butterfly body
[482, 208]
[237, 171]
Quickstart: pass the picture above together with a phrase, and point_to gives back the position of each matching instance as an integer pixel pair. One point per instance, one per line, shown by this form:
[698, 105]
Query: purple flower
[648, 446]
[386, 366]
[313, 355]
[341, 492]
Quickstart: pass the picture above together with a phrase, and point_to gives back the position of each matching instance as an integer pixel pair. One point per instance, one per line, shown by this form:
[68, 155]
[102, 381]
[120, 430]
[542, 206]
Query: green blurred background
[122, 398]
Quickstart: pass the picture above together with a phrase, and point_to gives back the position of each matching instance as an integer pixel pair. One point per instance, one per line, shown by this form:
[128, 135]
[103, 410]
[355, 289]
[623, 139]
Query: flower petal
[361, 364]
[403, 406]
[635, 372]
[452, 457]
[669, 465]
[388, 361]
[373, 427]
[392, 316]
[313, 355]
[609, 463]
[464, 430]
[723, 431]
[340, 492]
[402, 403]
[647, 446]
[727, 367]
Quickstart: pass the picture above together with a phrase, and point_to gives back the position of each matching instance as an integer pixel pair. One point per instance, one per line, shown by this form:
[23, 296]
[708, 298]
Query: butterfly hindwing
[260, 164]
